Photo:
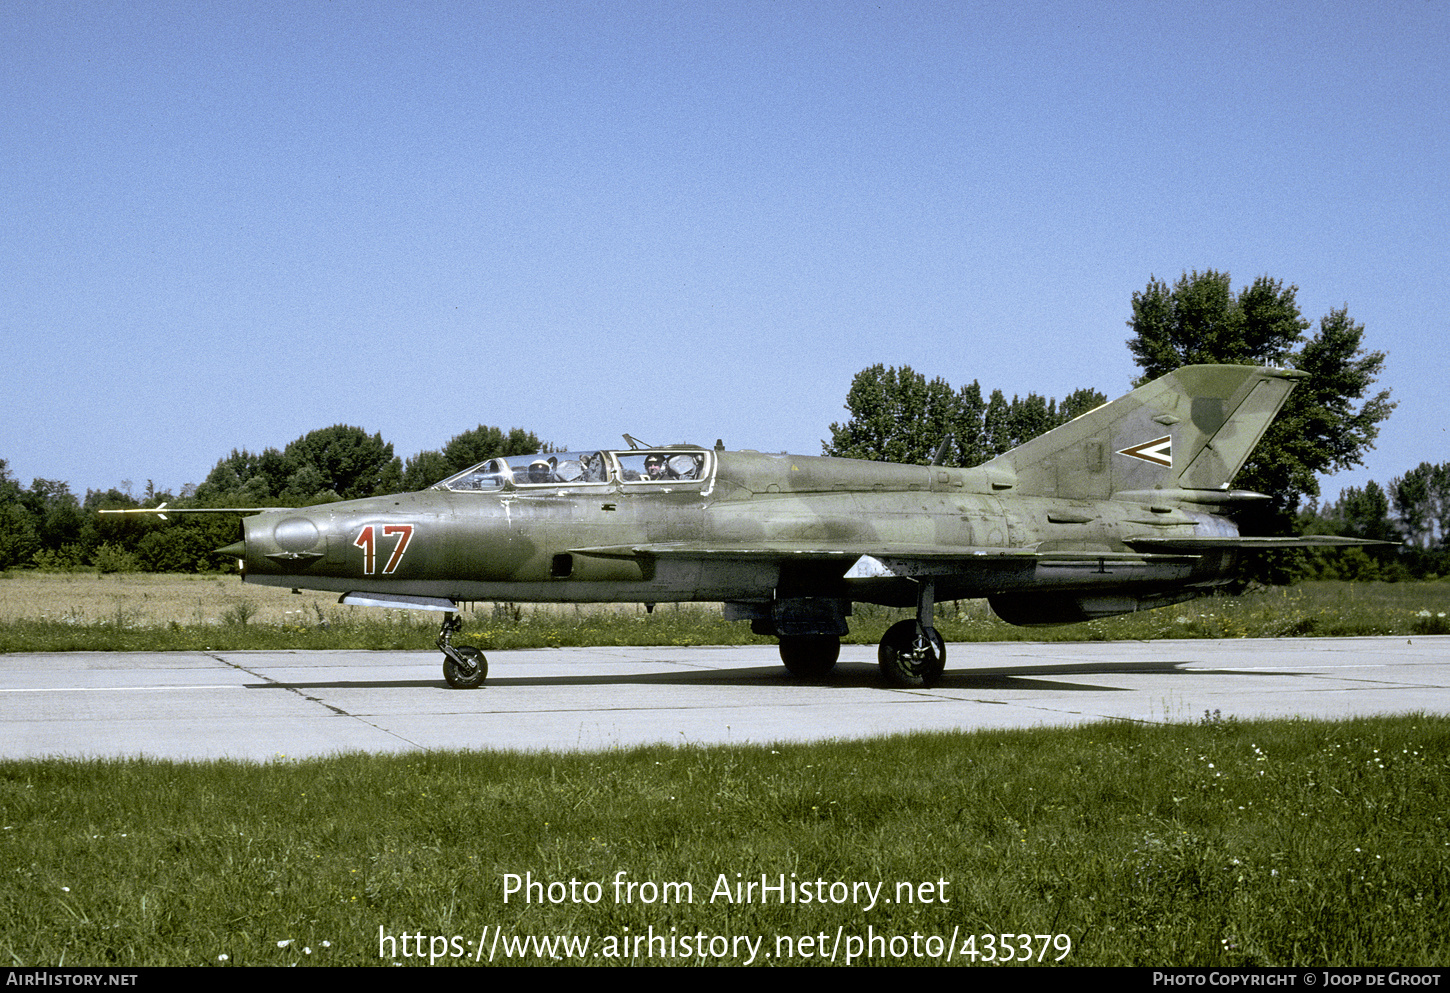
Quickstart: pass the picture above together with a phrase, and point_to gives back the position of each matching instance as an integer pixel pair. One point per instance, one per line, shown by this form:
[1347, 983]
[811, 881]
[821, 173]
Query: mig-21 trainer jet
[1116, 511]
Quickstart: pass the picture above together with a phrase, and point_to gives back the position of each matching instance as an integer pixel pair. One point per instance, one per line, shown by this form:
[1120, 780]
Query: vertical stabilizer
[1189, 430]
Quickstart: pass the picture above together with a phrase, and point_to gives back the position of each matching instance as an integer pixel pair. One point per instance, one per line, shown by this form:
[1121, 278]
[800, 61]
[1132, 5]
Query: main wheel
[458, 677]
[810, 655]
[907, 659]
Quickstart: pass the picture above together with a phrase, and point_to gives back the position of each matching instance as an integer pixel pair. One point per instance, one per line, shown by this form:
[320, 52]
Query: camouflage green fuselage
[752, 528]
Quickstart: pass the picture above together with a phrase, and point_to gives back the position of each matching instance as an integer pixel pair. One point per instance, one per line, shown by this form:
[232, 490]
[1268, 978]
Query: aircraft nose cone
[237, 549]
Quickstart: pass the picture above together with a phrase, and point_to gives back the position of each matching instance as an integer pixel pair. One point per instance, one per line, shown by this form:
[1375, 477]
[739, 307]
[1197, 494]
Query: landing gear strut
[463, 667]
[911, 653]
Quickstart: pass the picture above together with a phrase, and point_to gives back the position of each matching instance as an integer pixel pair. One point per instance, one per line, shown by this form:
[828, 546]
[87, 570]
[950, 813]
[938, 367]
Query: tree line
[1414, 509]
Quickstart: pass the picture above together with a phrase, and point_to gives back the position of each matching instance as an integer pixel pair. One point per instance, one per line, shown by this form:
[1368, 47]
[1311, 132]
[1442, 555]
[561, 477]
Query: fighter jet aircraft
[1116, 511]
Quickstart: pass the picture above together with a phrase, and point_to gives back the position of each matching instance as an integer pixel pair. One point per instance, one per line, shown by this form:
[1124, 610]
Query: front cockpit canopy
[579, 469]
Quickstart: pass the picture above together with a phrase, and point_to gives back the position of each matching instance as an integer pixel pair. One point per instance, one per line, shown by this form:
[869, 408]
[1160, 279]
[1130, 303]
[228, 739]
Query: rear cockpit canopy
[571, 469]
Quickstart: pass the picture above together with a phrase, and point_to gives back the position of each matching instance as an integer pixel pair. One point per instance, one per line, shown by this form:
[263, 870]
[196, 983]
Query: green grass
[1325, 609]
[1221, 843]
[1329, 609]
[375, 629]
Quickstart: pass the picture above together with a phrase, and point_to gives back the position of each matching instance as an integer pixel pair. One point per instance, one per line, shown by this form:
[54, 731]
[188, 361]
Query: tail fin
[1190, 430]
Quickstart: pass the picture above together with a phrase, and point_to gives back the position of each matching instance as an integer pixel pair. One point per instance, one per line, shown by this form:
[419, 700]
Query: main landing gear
[912, 654]
[464, 667]
[810, 656]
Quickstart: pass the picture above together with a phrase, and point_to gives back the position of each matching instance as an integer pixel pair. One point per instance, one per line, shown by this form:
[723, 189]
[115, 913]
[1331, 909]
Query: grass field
[133, 611]
[1217, 843]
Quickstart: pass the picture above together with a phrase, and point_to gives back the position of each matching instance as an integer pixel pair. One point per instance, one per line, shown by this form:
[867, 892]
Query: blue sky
[229, 224]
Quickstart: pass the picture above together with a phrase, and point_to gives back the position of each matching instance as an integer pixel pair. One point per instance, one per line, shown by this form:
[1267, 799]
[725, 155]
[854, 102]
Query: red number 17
[368, 542]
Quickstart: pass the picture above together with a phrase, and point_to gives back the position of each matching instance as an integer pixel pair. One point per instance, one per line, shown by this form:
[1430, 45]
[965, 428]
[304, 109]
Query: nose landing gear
[464, 667]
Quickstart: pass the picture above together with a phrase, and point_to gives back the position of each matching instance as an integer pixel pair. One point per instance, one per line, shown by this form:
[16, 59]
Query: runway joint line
[310, 698]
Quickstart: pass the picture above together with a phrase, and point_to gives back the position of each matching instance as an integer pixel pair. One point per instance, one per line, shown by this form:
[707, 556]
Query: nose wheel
[464, 667]
[912, 655]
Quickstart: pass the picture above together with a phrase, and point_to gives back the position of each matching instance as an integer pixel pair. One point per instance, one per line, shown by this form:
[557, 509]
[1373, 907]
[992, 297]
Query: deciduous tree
[1421, 499]
[466, 449]
[350, 462]
[897, 415]
[1330, 419]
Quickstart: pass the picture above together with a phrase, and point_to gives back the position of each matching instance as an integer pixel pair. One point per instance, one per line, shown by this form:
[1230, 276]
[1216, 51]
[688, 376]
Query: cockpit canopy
[556, 469]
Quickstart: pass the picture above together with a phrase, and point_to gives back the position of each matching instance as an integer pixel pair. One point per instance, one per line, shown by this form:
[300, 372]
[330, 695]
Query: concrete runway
[268, 705]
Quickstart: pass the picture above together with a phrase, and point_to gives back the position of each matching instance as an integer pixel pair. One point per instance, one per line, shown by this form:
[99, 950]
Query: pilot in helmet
[539, 471]
[654, 467]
